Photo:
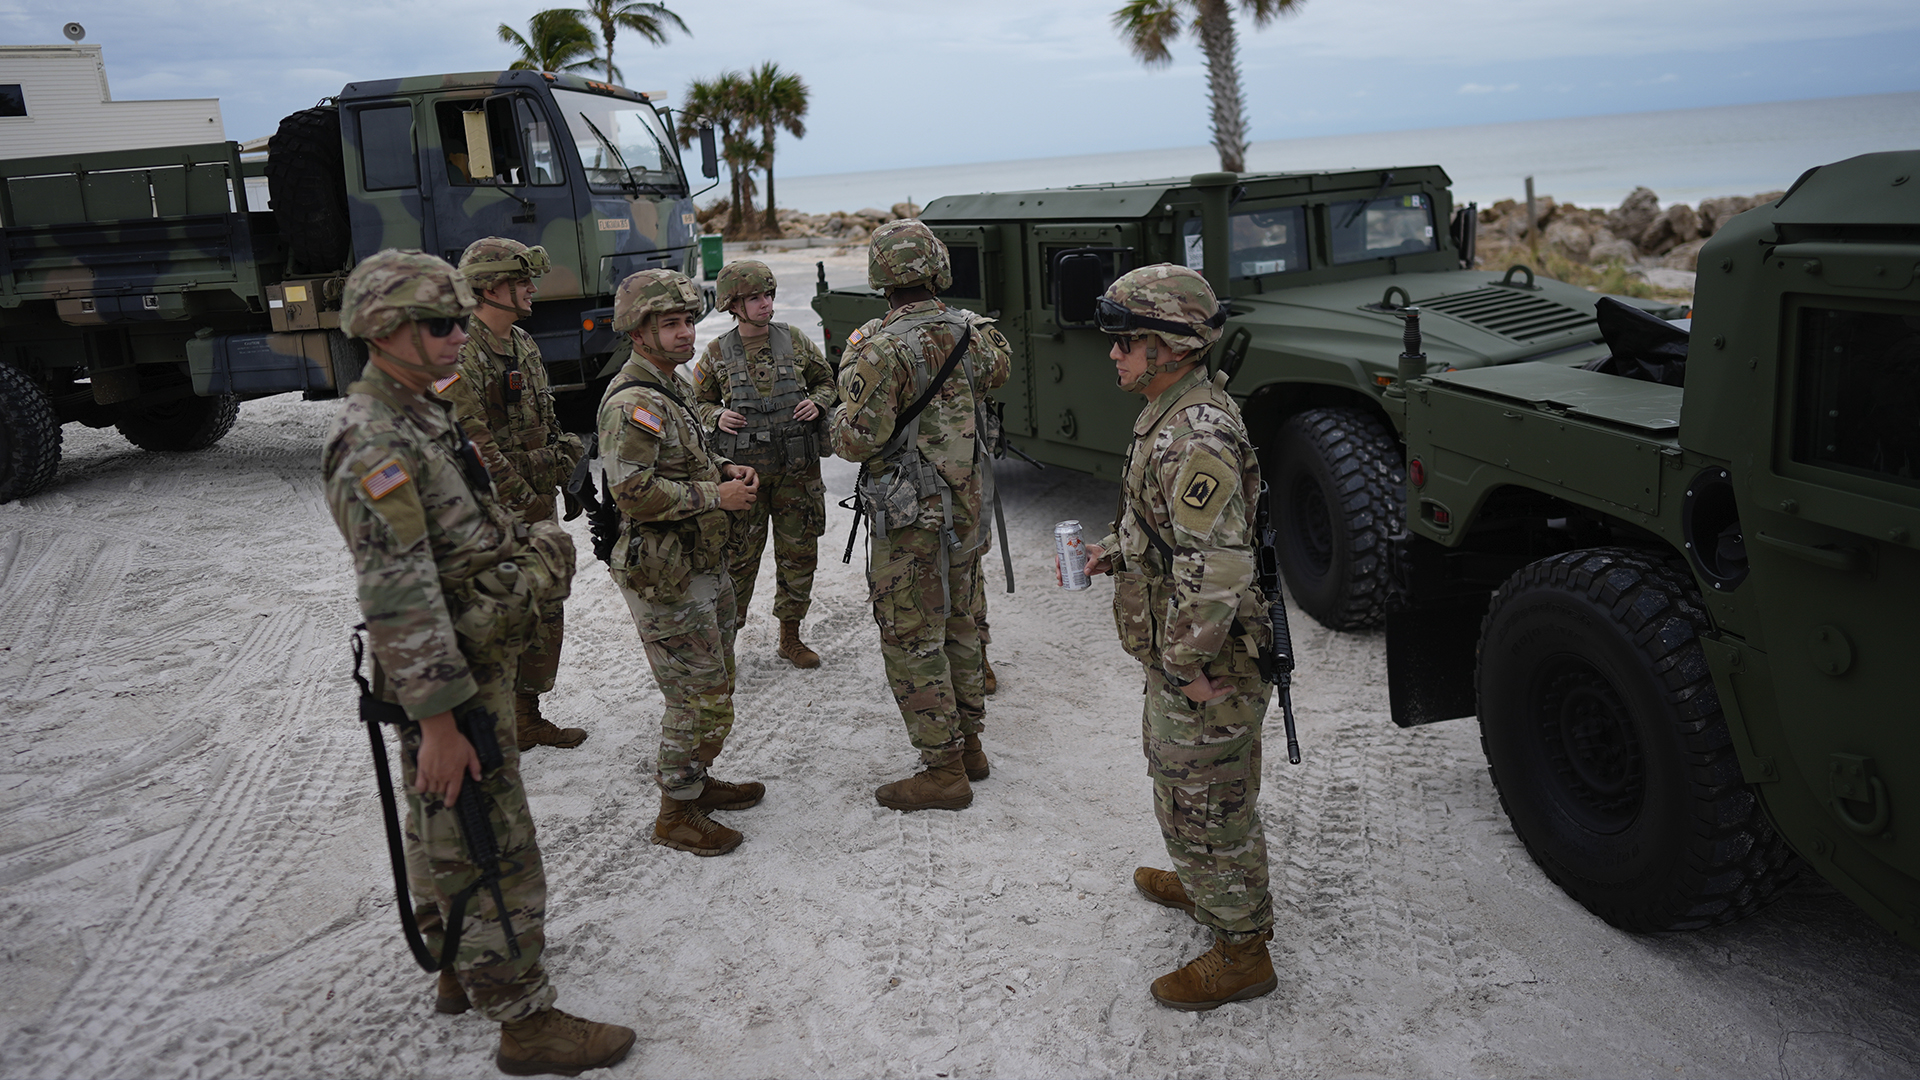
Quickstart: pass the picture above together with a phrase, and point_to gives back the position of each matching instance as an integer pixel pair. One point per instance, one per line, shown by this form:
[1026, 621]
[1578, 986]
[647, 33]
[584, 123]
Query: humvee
[1684, 613]
[1315, 267]
[140, 289]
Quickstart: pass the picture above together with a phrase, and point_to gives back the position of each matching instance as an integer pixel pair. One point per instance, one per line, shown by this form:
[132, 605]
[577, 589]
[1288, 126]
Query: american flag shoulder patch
[440, 385]
[646, 419]
[856, 338]
[384, 478]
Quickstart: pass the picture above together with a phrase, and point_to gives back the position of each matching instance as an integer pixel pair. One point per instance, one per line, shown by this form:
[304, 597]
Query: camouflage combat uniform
[670, 563]
[525, 450]
[446, 626]
[924, 585]
[792, 496]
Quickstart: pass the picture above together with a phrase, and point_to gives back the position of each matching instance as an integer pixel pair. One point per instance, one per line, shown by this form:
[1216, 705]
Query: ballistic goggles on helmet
[1113, 317]
[530, 264]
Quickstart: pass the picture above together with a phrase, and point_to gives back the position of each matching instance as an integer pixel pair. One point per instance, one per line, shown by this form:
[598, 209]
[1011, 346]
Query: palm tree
[721, 101]
[1149, 26]
[777, 99]
[648, 20]
[556, 40]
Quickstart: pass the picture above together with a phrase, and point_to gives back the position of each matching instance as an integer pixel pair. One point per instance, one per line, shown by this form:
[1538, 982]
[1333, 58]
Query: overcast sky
[912, 83]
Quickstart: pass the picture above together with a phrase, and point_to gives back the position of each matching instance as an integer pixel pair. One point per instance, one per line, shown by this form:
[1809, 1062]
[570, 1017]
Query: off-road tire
[1604, 736]
[184, 424]
[29, 436]
[307, 183]
[1338, 487]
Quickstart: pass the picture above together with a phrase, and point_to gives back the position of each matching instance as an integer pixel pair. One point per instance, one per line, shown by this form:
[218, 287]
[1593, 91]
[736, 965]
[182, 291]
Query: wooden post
[1533, 221]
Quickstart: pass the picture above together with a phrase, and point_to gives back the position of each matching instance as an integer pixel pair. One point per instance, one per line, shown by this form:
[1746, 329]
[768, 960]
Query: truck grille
[1513, 314]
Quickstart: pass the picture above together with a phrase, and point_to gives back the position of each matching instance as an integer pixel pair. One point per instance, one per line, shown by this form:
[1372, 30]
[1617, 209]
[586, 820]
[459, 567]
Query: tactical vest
[493, 597]
[893, 491]
[772, 440]
[657, 559]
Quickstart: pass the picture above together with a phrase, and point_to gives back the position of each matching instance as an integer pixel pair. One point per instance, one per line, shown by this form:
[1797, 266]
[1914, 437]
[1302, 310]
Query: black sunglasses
[442, 325]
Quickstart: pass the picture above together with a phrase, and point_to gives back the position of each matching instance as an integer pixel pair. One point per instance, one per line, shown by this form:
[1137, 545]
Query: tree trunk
[1223, 84]
[773, 222]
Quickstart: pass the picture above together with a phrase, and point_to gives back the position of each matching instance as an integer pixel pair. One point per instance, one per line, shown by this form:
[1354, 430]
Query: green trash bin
[712, 257]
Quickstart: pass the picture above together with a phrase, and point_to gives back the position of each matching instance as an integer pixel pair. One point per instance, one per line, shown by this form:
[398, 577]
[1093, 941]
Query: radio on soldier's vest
[772, 440]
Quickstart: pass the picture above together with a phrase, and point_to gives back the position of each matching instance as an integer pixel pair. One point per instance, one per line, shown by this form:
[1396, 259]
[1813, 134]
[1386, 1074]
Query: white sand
[193, 880]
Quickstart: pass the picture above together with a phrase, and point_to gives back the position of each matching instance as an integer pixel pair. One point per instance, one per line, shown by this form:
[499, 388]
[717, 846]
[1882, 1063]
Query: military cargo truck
[1315, 266]
[1684, 613]
[140, 289]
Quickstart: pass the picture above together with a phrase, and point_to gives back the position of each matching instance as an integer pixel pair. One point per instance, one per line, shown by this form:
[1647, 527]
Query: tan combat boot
[974, 759]
[988, 682]
[1223, 973]
[940, 786]
[721, 794]
[551, 1041]
[530, 729]
[684, 826]
[792, 649]
[449, 996]
[1162, 887]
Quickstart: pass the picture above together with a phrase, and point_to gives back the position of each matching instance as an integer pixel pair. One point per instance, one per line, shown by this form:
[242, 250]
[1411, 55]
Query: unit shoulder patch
[396, 501]
[1201, 492]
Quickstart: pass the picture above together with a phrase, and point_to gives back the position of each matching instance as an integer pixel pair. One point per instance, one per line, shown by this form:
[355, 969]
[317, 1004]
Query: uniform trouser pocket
[1215, 815]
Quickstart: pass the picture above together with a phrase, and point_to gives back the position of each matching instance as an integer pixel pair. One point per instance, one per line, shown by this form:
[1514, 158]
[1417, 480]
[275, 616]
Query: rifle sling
[903, 424]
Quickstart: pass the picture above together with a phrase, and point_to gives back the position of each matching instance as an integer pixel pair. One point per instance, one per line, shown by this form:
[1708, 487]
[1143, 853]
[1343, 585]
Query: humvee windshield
[1397, 225]
[633, 127]
[1271, 241]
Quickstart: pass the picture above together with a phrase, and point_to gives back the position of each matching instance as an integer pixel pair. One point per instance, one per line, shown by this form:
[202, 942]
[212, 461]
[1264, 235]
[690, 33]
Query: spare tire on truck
[306, 180]
[29, 436]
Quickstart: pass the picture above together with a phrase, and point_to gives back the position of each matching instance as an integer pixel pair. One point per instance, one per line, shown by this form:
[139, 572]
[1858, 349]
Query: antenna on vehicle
[74, 31]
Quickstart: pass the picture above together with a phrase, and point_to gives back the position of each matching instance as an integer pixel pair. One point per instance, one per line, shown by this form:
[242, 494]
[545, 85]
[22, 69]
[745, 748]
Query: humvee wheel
[188, 423]
[1605, 738]
[29, 436]
[1337, 494]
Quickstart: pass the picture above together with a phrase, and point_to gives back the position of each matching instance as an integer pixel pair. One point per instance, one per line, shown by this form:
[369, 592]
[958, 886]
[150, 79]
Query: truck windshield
[1394, 225]
[634, 128]
[1259, 242]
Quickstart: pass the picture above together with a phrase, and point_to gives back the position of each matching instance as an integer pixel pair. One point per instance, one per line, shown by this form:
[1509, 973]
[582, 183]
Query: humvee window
[965, 260]
[1859, 396]
[634, 128]
[1395, 225]
[386, 148]
[1259, 242]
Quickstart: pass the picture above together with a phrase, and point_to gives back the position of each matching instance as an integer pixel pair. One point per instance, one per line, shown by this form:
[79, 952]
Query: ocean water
[1684, 155]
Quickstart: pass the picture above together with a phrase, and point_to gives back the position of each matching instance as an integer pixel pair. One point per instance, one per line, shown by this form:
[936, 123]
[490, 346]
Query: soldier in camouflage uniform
[923, 485]
[450, 583]
[501, 397]
[670, 559]
[1187, 607]
[760, 389]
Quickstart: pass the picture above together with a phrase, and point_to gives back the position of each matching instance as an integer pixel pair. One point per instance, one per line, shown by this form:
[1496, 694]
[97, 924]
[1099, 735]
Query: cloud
[1482, 88]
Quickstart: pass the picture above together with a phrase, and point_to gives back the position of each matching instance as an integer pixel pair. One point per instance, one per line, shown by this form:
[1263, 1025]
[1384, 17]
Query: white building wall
[69, 109]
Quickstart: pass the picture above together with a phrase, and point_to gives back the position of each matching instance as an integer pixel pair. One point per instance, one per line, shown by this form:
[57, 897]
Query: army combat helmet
[905, 253]
[1171, 301]
[655, 292]
[497, 260]
[739, 280]
[394, 288]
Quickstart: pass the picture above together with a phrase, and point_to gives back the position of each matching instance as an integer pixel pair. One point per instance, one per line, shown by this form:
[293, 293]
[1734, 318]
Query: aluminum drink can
[1070, 554]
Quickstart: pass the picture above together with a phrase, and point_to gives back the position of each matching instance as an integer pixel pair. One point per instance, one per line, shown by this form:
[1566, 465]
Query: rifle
[470, 809]
[1276, 663]
[603, 516]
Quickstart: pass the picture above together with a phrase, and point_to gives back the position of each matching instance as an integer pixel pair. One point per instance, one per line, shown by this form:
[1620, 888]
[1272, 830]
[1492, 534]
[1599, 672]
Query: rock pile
[844, 227]
[1637, 233]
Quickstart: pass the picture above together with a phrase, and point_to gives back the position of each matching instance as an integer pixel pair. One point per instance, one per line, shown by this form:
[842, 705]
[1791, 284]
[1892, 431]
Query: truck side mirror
[479, 145]
[709, 157]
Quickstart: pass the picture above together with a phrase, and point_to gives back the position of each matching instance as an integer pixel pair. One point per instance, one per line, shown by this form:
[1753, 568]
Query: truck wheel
[1337, 495]
[1604, 736]
[307, 183]
[29, 436]
[188, 423]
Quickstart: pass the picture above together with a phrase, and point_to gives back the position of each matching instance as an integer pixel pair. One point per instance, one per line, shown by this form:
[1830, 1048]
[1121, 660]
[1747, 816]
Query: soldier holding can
[450, 583]
[761, 389]
[912, 387]
[501, 397]
[672, 491]
[1187, 607]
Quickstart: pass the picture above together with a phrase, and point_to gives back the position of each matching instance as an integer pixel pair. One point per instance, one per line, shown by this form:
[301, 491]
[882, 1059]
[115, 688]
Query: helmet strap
[419, 350]
[518, 312]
